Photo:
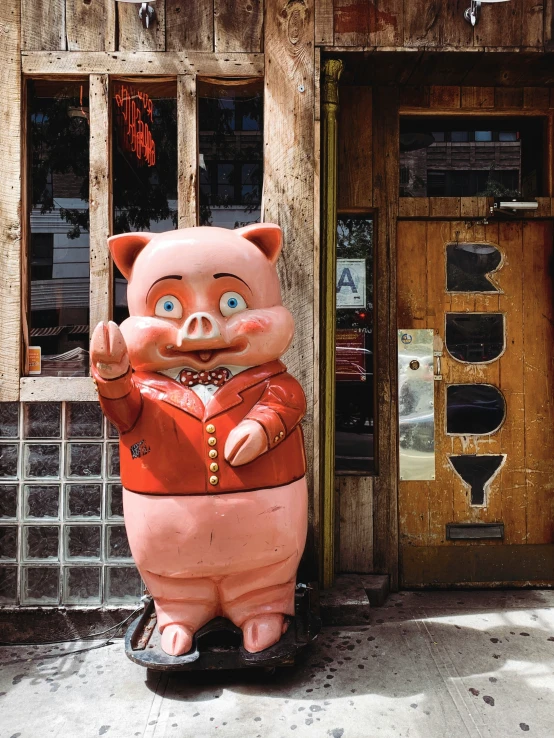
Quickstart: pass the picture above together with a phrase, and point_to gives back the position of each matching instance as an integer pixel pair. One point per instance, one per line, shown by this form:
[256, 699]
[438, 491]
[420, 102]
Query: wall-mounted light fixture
[513, 206]
[146, 11]
[472, 13]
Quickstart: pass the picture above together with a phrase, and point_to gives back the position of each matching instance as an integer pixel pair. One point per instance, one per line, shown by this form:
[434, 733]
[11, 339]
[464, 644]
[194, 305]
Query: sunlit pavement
[434, 664]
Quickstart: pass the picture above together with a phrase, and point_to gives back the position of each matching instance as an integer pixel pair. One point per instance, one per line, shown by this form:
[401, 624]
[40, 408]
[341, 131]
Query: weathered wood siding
[519, 24]
[106, 25]
[228, 26]
[10, 202]
[288, 198]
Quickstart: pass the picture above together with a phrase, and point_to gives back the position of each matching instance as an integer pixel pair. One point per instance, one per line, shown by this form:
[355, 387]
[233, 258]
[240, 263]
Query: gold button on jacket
[210, 428]
[214, 480]
[211, 441]
[214, 467]
[212, 453]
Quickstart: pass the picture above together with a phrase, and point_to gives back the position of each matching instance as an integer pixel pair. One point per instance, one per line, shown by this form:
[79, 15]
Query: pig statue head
[203, 297]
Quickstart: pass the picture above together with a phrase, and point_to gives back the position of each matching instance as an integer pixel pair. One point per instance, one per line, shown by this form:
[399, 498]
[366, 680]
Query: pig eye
[231, 303]
[169, 307]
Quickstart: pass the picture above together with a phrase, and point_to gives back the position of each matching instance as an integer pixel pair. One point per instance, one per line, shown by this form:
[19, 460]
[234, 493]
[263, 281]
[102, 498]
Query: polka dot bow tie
[218, 377]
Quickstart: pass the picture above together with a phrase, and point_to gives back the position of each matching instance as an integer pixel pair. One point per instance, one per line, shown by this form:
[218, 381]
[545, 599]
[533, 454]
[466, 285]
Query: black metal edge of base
[303, 629]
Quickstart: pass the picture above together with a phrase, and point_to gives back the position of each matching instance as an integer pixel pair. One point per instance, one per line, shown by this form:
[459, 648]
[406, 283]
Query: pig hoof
[176, 640]
[263, 631]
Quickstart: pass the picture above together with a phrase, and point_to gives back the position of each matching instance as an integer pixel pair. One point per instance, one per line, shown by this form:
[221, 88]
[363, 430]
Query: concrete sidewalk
[429, 665]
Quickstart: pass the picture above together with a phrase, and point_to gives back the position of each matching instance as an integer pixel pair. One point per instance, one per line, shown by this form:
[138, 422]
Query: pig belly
[189, 536]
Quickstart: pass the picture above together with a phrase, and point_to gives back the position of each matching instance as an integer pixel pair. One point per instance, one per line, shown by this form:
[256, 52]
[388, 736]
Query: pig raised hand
[245, 443]
[108, 351]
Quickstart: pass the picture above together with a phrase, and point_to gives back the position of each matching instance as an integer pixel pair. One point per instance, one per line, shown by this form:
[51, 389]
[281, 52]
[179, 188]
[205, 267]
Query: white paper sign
[351, 283]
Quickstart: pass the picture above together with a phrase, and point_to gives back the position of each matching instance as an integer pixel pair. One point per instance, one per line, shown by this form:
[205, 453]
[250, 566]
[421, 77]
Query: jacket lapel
[230, 394]
[173, 392]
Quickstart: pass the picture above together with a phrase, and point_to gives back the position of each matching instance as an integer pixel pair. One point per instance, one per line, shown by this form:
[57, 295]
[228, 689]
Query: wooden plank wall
[473, 99]
[288, 197]
[106, 25]
[10, 201]
[368, 182]
[230, 26]
[519, 24]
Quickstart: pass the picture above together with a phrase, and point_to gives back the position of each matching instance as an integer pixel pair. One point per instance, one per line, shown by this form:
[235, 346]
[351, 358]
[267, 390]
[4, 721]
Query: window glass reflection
[144, 145]
[354, 345]
[468, 266]
[59, 226]
[474, 409]
[230, 118]
[455, 157]
[475, 337]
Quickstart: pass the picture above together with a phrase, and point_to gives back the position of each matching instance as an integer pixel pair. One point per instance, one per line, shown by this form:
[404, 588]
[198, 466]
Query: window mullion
[100, 196]
[187, 150]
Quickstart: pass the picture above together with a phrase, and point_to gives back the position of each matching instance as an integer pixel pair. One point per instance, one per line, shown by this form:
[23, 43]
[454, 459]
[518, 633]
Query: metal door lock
[414, 364]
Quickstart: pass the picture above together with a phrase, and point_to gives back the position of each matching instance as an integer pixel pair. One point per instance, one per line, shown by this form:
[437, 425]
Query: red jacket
[165, 431]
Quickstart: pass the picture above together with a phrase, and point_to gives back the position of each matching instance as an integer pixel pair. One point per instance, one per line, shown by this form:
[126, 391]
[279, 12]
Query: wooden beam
[58, 389]
[288, 197]
[100, 199]
[187, 148]
[90, 25]
[10, 201]
[142, 62]
[385, 199]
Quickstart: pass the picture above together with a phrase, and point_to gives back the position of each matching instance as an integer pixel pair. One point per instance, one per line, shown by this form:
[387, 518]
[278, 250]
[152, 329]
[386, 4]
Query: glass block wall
[62, 538]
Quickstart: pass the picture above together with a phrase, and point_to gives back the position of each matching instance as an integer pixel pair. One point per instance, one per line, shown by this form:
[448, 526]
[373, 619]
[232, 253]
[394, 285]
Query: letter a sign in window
[351, 283]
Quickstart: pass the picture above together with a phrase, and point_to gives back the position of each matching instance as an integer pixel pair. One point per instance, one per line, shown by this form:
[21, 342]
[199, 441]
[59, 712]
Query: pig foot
[263, 631]
[176, 639]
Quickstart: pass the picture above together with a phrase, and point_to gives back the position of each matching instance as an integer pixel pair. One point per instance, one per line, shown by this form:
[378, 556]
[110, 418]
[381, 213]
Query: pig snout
[198, 327]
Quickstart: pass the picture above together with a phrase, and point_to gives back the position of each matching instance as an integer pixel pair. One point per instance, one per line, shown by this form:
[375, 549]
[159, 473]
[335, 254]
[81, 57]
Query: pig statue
[212, 453]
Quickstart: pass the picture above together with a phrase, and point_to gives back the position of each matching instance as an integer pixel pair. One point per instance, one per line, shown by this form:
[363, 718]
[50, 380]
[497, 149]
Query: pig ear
[125, 248]
[266, 236]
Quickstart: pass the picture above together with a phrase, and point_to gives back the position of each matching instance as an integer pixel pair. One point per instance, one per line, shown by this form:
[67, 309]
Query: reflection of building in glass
[465, 163]
[231, 153]
[144, 146]
[59, 239]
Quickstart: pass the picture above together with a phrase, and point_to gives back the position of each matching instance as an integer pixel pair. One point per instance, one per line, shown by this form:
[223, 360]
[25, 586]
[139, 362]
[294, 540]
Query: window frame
[101, 210]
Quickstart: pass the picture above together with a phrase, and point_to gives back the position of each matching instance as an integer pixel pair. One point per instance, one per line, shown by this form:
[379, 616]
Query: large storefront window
[58, 128]
[230, 152]
[354, 346]
[455, 157]
[144, 140]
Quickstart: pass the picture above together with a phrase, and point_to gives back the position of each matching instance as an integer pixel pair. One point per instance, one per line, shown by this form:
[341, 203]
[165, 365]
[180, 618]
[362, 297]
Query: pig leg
[182, 607]
[257, 601]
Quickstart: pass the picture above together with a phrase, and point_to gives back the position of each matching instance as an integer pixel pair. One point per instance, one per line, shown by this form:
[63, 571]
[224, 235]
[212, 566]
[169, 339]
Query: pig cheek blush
[208, 449]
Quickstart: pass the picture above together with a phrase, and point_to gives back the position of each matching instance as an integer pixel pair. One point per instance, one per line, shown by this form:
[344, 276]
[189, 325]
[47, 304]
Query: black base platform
[218, 645]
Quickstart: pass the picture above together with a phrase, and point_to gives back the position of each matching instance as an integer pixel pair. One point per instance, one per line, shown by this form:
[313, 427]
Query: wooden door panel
[521, 495]
[538, 374]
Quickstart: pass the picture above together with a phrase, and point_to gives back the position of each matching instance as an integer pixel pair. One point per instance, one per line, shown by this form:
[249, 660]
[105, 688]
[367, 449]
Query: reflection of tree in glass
[230, 132]
[141, 193]
[494, 188]
[355, 241]
[59, 133]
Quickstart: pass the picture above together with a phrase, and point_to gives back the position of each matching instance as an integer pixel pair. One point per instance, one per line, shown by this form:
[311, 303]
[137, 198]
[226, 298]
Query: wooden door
[514, 487]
